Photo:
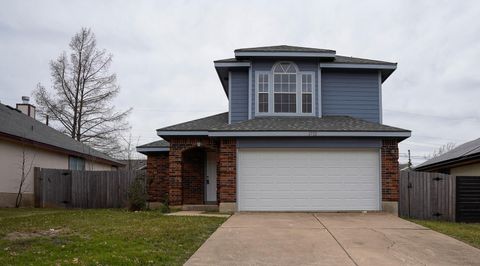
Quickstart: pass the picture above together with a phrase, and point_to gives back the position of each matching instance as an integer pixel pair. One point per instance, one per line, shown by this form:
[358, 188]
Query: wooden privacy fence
[435, 196]
[83, 189]
[426, 195]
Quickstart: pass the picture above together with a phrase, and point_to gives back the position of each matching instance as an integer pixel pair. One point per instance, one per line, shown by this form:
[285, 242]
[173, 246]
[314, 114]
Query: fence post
[37, 188]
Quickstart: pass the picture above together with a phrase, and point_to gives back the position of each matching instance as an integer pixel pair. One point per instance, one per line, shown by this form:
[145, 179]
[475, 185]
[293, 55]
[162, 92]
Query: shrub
[137, 195]
[164, 208]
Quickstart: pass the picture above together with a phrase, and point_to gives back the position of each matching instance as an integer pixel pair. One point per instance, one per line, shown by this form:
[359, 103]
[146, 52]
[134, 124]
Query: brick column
[227, 174]
[175, 175]
[390, 172]
[157, 172]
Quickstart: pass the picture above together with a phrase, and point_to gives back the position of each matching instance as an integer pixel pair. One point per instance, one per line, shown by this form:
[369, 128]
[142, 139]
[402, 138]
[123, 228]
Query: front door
[211, 178]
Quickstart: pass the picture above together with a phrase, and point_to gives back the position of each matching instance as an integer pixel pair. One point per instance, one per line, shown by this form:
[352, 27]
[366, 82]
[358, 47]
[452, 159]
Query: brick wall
[227, 171]
[193, 176]
[177, 147]
[157, 172]
[390, 172]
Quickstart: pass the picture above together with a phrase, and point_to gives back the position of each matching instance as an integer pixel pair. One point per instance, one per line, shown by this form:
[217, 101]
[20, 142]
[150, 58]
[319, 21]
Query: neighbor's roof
[284, 48]
[135, 164]
[219, 123]
[463, 152]
[156, 146]
[14, 123]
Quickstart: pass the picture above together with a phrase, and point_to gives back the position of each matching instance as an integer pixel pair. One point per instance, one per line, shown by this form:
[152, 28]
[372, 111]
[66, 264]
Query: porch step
[209, 208]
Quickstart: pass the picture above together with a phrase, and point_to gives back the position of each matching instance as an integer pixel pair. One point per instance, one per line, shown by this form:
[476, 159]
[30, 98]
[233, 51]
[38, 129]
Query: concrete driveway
[329, 239]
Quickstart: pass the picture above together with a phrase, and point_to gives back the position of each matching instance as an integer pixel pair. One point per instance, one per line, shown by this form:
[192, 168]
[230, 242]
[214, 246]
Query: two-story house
[303, 132]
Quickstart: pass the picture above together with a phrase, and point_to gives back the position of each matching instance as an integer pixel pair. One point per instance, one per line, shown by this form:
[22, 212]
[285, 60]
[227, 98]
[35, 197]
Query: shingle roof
[156, 144]
[202, 124]
[327, 123]
[339, 59]
[15, 123]
[465, 150]
[284, 48]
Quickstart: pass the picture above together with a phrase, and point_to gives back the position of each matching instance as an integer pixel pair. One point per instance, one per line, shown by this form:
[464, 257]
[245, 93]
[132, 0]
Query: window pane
[76, 163]
[293, 78]
[277, 77]
[307, 84]
[263, 102]
[306, 103]
[285, 103]
[276, 87]
[278, 69]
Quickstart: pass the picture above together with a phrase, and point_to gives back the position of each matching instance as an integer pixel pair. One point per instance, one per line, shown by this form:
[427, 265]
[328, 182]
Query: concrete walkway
[329, 239]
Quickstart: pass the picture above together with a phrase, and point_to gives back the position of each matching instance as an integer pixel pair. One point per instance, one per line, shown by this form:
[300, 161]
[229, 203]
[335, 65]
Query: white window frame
[257, 92]
[298, 92]
[312, 74]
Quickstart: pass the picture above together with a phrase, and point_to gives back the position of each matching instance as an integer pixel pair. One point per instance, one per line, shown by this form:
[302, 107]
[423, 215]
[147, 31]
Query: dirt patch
[13, 236]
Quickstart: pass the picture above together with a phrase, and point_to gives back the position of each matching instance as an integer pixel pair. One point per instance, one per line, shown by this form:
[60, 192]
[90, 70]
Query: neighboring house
[403, 167]
[134, 164]
[463, 160]
[303, 132]
[24, 139]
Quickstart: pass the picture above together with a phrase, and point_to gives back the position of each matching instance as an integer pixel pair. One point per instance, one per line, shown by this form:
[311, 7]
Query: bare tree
[129, 151]
[441, 150]
[83, 89]
[25, 169]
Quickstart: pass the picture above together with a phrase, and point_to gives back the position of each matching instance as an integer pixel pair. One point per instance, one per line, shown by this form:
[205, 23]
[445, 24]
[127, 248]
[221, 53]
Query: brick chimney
[25, 107]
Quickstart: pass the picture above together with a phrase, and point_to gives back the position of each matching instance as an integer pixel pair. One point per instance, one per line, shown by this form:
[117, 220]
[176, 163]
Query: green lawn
[99, 237]
[468, 233]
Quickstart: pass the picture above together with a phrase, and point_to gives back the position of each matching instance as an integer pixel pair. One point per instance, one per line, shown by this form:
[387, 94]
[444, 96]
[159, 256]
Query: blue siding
[266, 65]
[309, 143]
[239, 96]
[351, 92]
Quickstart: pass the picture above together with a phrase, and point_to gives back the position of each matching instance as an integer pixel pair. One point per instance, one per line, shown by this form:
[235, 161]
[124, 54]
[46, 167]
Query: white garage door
[308, 179]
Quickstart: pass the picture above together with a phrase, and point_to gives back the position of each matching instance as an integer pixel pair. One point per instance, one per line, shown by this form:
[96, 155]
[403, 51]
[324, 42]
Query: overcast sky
[163, 53]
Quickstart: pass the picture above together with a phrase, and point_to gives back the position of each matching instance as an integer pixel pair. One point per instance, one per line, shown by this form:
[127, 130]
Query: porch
[202, 174]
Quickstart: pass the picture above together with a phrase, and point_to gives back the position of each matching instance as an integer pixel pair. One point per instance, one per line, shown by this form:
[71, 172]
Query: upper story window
[307, 89]
[263, 93]
[285, 90]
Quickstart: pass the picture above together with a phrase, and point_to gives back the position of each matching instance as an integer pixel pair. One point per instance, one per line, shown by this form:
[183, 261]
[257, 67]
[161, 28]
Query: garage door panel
[308, 179]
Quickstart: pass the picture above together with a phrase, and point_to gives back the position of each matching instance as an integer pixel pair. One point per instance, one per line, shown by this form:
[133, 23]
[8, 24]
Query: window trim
[298, 92]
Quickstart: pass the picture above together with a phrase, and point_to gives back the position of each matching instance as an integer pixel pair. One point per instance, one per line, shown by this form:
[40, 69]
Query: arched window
[285, 88]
